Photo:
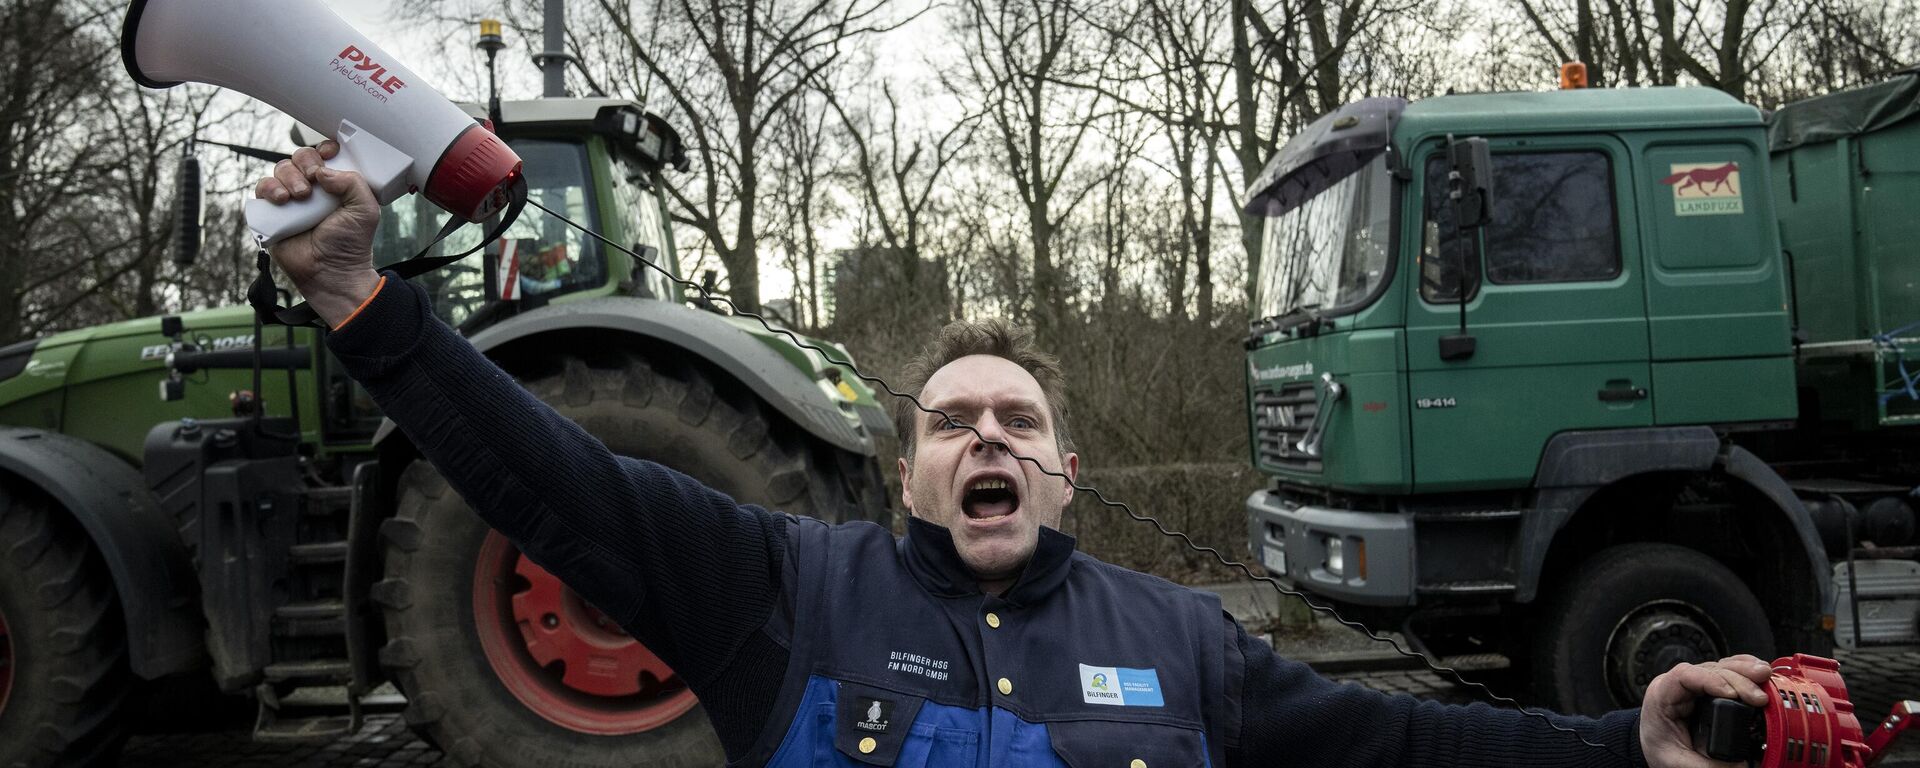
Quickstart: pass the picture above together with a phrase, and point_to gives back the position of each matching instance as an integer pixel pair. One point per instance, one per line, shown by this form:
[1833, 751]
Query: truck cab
[1510, 434]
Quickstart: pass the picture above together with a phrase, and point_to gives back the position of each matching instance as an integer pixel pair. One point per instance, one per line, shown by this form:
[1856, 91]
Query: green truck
[163, 550]
[1673, 419]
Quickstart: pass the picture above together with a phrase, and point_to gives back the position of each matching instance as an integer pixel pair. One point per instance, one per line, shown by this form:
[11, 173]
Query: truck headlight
[1336, 555]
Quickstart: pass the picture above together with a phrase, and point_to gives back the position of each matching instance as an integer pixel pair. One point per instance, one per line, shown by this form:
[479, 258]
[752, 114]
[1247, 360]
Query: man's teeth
[987, 485]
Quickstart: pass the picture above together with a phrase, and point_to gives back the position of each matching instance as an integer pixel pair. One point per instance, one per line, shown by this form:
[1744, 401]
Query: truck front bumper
[1364, 558]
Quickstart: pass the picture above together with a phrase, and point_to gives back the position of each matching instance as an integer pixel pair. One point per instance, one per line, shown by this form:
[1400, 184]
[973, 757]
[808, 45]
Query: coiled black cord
[1104, 501]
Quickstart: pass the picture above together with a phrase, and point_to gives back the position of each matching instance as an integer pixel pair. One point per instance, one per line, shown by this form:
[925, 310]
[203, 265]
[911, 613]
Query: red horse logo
[1720, 177]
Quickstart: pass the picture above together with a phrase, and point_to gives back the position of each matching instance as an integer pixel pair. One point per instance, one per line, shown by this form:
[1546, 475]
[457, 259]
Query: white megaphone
[304, 60]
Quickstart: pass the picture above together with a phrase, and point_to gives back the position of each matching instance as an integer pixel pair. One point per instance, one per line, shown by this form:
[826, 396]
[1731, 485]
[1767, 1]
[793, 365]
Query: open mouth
[988, 498]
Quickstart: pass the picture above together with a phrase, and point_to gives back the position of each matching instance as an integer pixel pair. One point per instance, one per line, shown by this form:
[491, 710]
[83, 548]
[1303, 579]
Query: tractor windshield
[1331, 252]
[538, 256]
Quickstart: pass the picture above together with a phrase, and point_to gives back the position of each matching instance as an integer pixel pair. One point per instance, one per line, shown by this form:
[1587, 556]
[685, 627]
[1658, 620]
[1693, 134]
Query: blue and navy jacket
[898, 659]
[839, 645]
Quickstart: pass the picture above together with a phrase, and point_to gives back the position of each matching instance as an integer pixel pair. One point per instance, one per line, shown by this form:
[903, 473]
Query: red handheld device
[1808, 722]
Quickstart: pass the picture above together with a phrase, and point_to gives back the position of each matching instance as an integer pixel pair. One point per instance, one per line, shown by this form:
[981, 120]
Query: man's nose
[988, 433]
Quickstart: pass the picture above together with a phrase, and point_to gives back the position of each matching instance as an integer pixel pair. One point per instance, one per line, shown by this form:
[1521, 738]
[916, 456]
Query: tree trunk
[1045, 298]
[1203, 240]
[743, 259]
[1247, 150]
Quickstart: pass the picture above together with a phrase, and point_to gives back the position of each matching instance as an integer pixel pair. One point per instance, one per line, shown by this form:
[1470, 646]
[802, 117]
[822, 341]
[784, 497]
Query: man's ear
[906, 484]
[1069, 466]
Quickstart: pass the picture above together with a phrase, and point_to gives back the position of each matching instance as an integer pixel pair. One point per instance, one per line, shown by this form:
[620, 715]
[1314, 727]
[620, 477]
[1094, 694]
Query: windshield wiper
[1303, 315]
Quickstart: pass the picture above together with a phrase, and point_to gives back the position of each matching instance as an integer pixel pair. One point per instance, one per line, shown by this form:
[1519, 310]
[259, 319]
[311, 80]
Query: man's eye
[948, 424]
[1020, 422]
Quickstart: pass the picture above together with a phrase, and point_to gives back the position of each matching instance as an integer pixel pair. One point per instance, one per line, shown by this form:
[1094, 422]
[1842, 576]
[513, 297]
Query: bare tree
[801, 199]
[729, 70]
[1124, 226]
[1183, 45]
[897, 171]
[1839, 44]
[1765, 51]
[1610, 36]
[54, 62]
[1724, 44]
[150, 130]
[1017, 54]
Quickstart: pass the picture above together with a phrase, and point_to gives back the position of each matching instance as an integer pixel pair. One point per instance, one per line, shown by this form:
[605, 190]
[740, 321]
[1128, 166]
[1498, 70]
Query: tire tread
[1612, 571]
[73, 714]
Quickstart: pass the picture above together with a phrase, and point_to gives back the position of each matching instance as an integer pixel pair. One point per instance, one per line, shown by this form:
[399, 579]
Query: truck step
[1907, 552]
[304, 729]
[316, 617]
[383, 701]
[330, 608]
[328, 500]
[1887, 603]
[323, 553]
[1466, 587]
[1844, 487]
[311, 672]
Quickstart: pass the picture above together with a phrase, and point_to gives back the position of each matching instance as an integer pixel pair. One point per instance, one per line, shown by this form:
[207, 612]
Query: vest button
[1006, 687]
[868, 745]
[1137, 763]
[993, 620]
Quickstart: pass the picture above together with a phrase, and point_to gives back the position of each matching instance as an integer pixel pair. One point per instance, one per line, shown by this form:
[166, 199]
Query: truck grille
[1280, 419]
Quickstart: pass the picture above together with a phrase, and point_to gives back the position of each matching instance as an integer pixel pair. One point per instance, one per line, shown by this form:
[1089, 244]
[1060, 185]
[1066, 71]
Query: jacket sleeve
[1292, 715]
[683, 567]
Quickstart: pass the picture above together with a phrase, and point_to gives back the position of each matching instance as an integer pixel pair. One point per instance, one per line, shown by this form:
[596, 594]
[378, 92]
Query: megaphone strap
[264, 295]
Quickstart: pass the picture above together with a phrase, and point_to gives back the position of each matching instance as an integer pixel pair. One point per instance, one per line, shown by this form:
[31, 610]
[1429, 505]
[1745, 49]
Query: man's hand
[331, 264]
[1664, 738]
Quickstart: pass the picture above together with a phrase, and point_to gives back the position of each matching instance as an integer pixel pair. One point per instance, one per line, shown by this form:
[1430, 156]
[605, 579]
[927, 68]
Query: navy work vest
[897, 659]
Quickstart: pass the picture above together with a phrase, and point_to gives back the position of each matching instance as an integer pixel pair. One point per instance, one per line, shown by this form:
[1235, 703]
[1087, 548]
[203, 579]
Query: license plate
[1274, 558]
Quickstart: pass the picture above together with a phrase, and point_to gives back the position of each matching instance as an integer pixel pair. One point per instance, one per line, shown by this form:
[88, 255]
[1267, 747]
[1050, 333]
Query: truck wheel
[501, 663]
[63, 652]
[1631, 613]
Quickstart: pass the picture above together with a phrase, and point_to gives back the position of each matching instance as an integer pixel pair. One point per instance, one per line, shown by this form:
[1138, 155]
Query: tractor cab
[596, 161]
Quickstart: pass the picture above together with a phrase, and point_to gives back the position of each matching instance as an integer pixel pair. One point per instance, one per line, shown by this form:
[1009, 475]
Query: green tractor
[178, 531]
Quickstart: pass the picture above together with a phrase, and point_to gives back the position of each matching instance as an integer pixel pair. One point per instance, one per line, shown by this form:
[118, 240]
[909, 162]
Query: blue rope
[1909, 382]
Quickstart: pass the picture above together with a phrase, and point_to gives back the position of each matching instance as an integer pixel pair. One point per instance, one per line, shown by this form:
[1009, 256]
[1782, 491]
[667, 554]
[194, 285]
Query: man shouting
[980, 638]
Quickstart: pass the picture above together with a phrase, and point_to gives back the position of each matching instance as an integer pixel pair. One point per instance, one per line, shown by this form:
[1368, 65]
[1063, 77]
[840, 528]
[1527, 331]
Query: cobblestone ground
[1876, 681]
[384, 742]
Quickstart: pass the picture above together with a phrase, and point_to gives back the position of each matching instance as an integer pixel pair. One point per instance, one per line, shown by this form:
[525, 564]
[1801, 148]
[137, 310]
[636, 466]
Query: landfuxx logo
[1705, 189]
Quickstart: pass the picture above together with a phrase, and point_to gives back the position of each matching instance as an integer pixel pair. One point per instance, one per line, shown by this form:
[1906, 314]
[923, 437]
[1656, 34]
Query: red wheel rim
[563, 658]
[6, 661]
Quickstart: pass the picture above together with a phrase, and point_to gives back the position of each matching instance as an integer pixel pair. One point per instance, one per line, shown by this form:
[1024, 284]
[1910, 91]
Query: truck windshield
[1331, 252]
[549, 257]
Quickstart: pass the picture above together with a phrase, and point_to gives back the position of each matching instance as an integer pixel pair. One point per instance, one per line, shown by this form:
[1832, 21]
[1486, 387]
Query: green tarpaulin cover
[1847, 113]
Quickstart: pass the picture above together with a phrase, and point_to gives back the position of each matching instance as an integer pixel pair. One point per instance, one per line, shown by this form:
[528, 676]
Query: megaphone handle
[272, 222]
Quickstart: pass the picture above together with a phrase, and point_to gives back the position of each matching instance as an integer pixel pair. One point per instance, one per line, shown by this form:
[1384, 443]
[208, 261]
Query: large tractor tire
[493, 653]
[1631, 613]
[64, 679]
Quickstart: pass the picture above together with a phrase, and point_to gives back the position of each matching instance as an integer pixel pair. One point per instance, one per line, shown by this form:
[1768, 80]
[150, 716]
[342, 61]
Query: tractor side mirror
[186, 210]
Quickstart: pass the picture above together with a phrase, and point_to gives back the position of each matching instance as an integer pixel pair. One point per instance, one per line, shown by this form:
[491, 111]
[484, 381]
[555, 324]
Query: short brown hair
[987, 337]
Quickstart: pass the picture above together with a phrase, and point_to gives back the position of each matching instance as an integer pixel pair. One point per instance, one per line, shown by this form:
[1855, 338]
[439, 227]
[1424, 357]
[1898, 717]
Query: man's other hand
[1664, 736]
[331, 264]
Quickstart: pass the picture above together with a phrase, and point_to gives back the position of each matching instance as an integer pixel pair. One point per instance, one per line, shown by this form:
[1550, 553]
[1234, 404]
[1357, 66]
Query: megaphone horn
[301, 58]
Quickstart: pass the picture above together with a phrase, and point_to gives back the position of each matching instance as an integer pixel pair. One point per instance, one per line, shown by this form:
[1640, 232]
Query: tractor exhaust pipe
[554, 59]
